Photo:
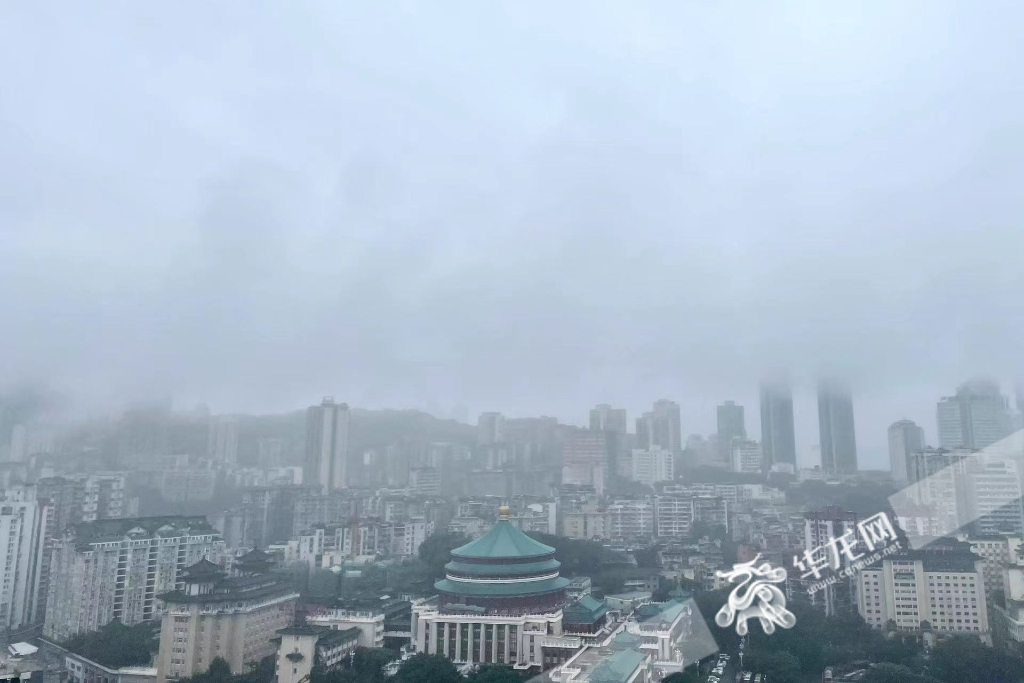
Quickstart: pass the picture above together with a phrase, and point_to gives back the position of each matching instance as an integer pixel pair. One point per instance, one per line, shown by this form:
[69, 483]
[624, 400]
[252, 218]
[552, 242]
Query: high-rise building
[979, 493]
[667, 426]
[270, 452]
[820, 527]
[585, 458]
[645, 430]
[976, 417]
[604, 417]
[222, 440]
[209, 616]
[778, 435]
[631, 520]
[835, 423]
[114, 569]
[19, 443]
[490, 428]
[328, 464]
[23, 538]
[747, 456]
[652, 465]
[905, 438]
[731, 425]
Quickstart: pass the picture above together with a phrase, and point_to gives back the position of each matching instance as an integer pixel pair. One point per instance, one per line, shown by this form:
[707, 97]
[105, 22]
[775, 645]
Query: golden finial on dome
[503, 513]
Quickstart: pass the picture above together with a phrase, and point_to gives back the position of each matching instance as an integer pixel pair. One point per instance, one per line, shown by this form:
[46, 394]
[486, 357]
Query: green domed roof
[504, 540]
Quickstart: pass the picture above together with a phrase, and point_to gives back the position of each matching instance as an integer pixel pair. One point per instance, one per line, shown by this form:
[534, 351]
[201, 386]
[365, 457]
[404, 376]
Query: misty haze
[492, 342]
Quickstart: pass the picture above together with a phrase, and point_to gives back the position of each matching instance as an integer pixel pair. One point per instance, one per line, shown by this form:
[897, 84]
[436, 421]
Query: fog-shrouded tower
[976, 417]
[835, 424]
[327, 454]
[731, 427]
[668, 431]
[605, 418]
[778, 435]
[905, 438]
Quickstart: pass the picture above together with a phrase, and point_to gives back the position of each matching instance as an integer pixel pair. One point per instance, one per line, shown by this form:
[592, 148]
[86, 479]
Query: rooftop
[503, 541]
[106, 530]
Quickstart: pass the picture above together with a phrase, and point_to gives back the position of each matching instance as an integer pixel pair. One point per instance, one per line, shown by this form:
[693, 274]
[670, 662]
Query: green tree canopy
[895, 673]
[424, 668]
[778, 667]
[437, 549]
[962, 658]
[491, 673]
[116, 645]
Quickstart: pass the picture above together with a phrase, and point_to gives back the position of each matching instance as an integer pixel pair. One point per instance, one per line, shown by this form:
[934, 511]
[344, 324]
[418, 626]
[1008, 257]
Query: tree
[368, 663]
[778, 667]
[491, 673]
[424, 668]
[435, 552]
[894, 673]
[116, 645]
[262, 671]
[961, 658]
[219, 672]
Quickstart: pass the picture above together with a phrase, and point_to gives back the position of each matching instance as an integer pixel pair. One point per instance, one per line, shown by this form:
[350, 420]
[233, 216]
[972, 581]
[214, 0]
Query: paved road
[723, 670]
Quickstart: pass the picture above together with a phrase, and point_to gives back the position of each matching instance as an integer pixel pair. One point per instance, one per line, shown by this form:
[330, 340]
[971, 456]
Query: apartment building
[942, 584]
[997, 553]
[23, 529]
[211, 616]
[630, 519]
[114, 569]
[588, 524]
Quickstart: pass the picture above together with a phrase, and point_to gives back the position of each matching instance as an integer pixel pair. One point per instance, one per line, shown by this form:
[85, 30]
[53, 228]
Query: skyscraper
[645, 430]
[586, 456]
[778, 437]
[730, 426]
[835, 424]
[327, 456]
[976, 417]
[667, 426]
[222, 440]
[905, 437]
[604, 417]
[490, 428]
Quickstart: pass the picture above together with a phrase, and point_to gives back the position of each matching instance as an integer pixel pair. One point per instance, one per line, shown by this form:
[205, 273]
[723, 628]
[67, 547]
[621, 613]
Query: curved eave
[501, 590]
[475, 569]
[504, 540]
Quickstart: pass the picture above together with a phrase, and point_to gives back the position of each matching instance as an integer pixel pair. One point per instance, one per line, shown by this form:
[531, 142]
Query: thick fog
[517, 206]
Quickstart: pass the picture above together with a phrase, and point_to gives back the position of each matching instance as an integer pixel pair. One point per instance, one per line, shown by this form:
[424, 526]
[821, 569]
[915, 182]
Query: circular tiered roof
[504, 568]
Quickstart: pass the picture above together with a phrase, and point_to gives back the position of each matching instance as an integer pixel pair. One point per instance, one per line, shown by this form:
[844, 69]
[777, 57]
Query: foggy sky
[517, 206]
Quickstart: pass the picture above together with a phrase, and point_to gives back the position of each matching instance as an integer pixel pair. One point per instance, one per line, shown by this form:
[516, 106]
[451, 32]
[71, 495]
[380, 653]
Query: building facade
[905, 439]
[836, 428]
[653, 465]
[328, 463]
[976, 417]
[303, 647]
[501, 597]
[114, 569]
[586, 456]
[778, 436]
[731, 427]
[942, 584]
[212, 616]
[23, 538]
[747, 456]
